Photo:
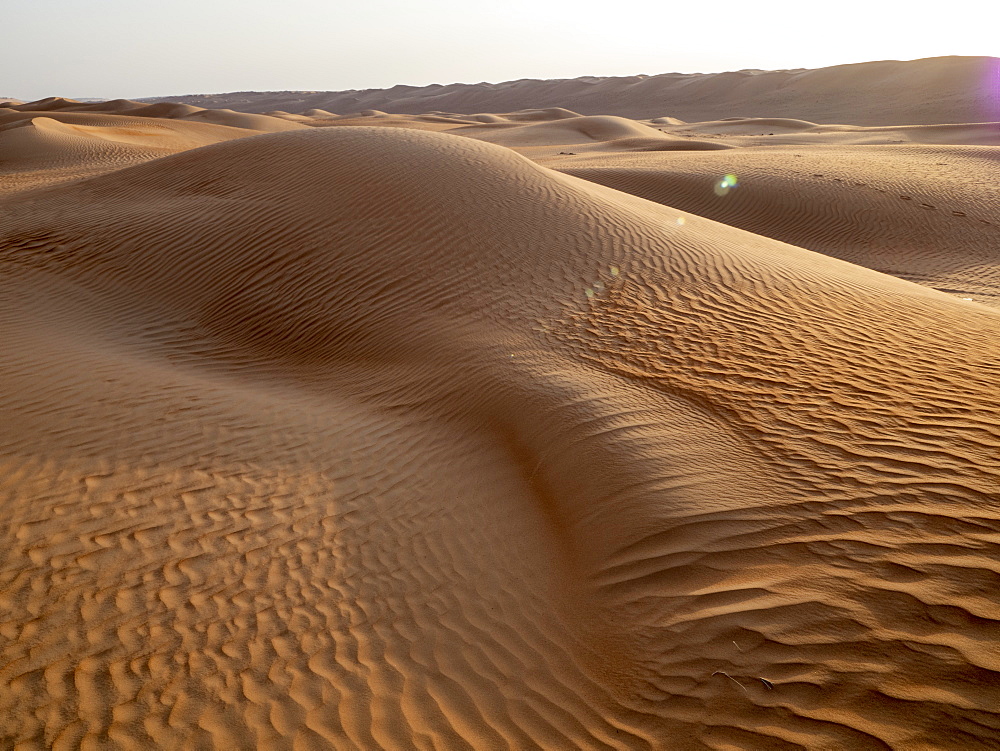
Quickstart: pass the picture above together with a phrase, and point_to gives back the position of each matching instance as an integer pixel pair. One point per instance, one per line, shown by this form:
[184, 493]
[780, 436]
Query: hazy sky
[132, 48]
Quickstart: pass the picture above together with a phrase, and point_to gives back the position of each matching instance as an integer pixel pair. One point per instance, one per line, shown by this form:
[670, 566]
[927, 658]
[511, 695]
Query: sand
[505, 430]
[57, 140]
[955, 89]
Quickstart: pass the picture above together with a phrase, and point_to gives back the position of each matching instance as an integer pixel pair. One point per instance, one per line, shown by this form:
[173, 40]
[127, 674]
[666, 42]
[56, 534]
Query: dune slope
[915, 211]
[362, 437]
[52, 141]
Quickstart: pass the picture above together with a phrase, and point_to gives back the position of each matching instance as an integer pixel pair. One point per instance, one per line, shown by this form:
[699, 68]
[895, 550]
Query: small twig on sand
[722, 672]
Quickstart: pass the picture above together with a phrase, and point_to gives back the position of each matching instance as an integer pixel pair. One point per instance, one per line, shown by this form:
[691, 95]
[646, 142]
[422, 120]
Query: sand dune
[53, 144]
[918, 213]
[49, 104]
[916, 92]
[574, 130]
[905, 200]
[361, 436]
[583, 134]
[171, 110]
[801, 132]
[259, 123]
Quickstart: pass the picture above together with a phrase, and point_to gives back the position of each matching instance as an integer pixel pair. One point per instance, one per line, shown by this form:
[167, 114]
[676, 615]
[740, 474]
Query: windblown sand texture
[496, 431]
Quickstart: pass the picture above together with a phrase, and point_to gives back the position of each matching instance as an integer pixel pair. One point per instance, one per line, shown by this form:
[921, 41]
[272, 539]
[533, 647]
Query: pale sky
[133, 48]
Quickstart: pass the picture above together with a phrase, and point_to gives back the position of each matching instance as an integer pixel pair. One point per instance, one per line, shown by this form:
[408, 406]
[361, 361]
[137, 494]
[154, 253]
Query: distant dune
[57, 139]
[917, 92]
[518, 429]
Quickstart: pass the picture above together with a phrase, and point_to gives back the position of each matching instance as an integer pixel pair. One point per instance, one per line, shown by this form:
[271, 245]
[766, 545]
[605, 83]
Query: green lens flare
[727, 183]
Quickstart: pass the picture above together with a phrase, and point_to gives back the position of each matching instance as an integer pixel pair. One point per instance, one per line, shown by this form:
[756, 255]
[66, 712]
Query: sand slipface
[369, 436]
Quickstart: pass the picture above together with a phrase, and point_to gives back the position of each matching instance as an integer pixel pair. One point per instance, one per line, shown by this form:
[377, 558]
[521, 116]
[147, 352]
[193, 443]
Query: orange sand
[366, 437]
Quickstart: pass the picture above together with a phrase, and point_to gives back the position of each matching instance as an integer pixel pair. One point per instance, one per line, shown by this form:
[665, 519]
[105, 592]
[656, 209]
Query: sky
[129, 48]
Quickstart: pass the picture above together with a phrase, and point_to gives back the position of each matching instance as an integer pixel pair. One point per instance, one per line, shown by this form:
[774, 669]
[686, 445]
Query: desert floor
[496, 431]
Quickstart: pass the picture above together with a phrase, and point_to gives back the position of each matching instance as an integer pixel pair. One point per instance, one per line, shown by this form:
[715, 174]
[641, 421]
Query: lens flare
[727, 183]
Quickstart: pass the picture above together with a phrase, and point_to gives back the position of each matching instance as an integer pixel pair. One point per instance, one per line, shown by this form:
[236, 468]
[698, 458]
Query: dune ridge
[48, 143]
[891, 92]
[370, 436]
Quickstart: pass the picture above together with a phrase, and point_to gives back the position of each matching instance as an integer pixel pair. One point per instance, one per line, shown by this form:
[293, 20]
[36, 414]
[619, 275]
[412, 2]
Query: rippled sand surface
[524, 431]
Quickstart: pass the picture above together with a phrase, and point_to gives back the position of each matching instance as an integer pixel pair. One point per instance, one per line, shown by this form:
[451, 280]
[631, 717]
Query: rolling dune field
[496, 431]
